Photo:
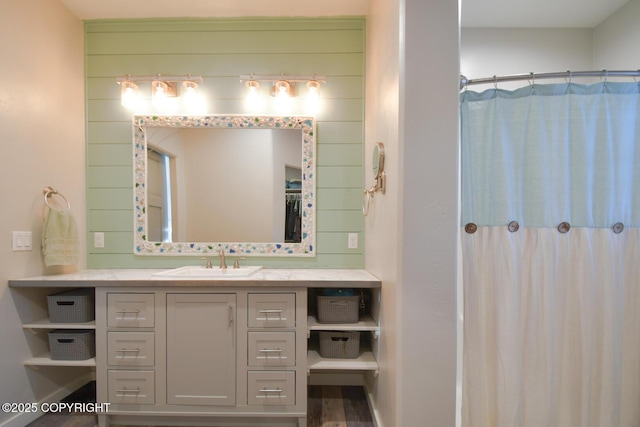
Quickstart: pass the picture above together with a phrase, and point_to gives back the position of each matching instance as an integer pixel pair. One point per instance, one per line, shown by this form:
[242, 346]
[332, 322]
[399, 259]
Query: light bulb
[282, 89]
[160, 89]
[129, 95]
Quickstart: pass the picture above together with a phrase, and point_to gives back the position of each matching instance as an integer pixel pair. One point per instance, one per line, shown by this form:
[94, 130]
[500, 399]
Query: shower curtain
[551, 256]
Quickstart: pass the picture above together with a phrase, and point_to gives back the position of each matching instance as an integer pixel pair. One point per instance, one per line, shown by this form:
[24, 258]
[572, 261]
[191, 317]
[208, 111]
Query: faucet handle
[236, 263]
[208, 264]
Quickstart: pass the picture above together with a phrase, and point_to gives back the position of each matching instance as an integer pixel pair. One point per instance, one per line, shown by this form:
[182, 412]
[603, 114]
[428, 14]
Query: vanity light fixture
[162, 87]
[282, 84]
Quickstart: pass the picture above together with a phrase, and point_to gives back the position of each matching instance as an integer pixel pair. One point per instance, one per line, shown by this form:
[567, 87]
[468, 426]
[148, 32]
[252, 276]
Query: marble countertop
[310, 278]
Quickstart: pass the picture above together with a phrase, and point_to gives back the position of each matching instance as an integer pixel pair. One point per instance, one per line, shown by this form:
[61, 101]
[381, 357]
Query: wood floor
[327, 406]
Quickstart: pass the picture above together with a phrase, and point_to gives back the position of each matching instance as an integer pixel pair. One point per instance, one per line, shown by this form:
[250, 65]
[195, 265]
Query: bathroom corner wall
[221, 50]
[42, 142]
[412, 106]
[615, 41]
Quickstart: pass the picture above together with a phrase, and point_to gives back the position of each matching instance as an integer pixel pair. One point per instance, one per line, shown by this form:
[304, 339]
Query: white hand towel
[60, 243]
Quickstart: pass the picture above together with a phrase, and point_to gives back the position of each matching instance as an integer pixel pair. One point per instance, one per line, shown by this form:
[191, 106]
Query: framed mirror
[244, 184]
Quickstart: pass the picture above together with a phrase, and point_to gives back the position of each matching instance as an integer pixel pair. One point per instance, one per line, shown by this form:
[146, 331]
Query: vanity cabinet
[207, 352]
[218, 353]
[201, 349]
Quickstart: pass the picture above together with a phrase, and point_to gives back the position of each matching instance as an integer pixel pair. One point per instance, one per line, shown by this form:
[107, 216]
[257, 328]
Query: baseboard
[338, 379]
[22, 419]
[375, 416]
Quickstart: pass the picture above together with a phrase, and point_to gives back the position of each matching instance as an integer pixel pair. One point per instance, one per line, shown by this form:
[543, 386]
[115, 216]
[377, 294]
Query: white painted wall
[485, 52]
[42, 142]
[381, 225]
[615, 41]
[412, 106]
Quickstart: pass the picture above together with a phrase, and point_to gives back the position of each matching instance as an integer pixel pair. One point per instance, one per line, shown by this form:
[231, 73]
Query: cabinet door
[201, 349]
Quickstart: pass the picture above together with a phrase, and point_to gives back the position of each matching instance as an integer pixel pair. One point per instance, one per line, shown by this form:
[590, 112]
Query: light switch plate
[98, 240]
[353, 241]
[22, 241]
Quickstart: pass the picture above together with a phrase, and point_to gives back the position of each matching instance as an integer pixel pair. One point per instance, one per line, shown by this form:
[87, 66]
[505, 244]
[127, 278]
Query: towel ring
[50, 191]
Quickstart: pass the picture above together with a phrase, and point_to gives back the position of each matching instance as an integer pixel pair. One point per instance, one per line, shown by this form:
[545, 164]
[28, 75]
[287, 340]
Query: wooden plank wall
[221, 50]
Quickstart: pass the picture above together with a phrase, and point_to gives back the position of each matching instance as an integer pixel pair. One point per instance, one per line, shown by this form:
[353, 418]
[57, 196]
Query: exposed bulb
[129, 95]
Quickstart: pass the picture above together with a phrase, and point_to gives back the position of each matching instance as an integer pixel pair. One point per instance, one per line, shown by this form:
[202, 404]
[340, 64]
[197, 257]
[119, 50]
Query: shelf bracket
[34, 331]
[376, 334]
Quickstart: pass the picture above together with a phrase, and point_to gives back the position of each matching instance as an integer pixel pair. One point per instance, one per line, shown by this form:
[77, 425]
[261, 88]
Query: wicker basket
[74, 306]
[339, 345]
[335, 309]
[72, 344]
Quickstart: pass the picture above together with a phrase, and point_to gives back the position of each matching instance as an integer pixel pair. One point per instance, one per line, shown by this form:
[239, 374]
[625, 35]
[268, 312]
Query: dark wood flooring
[327, 406]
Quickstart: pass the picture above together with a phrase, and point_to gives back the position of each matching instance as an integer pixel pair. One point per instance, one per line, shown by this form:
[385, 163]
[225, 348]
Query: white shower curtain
[551, 319]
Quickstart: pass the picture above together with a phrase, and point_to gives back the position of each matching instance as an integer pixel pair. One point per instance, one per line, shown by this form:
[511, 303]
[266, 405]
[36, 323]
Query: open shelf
[366, 323]
[45, 360]
[365, 362]
[46, 324]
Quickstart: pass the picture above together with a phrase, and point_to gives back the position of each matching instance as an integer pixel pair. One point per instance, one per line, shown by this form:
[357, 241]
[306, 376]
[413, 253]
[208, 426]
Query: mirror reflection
[243, 184]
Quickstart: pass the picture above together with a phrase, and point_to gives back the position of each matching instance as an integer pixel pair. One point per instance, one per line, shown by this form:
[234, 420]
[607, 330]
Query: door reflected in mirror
[243, 184]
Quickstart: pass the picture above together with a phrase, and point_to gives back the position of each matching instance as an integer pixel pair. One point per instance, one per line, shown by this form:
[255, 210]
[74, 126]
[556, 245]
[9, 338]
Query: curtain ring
[495, 82]
[564, 227]
[606, 74]
[570, 76]
[470, 228]
[533, 78]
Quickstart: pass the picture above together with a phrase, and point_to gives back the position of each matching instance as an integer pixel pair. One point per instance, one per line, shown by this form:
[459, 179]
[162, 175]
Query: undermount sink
[199, 272]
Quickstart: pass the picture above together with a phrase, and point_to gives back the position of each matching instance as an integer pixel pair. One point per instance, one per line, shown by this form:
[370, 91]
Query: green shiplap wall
[221, 50]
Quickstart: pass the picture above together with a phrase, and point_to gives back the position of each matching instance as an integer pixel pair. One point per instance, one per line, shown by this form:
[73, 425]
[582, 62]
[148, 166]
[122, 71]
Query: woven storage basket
[72, 344]
[339, 345]
[74, 306]
[335, 309]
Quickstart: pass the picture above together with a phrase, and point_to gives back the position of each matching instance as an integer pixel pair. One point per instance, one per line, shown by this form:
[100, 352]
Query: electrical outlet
[98, 240]
[353, 241]
[22, 241]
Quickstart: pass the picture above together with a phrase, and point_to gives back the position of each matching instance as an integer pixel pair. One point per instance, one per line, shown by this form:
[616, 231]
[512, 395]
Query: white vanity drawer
[130, 348]
[271, 388]
[135, 310]
[131, 387]
[272, 310]
[272, 349]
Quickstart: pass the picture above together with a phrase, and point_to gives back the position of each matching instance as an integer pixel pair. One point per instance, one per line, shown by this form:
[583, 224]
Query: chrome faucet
[223, 263]
[208, 264]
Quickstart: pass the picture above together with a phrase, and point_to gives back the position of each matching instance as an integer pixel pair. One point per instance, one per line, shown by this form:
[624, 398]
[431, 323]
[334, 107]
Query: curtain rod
[557, 75]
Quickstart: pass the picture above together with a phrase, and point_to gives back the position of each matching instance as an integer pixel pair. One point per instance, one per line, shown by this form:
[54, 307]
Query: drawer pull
[271, 311]
[128, 390]
[128, 350]
[266, 350]
[270, 390]
[128, 311]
